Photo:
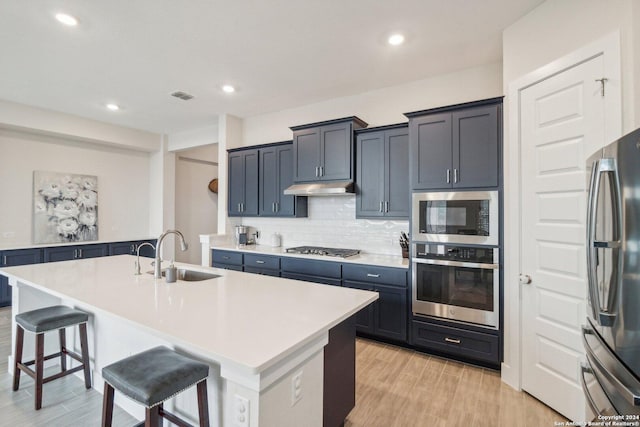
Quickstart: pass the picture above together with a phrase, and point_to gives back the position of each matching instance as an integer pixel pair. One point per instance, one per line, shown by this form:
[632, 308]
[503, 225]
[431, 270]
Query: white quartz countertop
[249, 320]
[362, 258]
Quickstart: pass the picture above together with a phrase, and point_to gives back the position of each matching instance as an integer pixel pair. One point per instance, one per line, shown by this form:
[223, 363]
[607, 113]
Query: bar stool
[150, 378]
[43, 320]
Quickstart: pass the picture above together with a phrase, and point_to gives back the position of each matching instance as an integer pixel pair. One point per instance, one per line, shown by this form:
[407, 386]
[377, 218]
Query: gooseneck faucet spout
[157, 271]
[138, 255]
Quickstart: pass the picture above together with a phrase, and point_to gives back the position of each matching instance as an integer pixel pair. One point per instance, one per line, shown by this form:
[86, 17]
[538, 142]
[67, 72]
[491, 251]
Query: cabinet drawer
[447, 339]
[227, 257]
[312, 267]
[228, 267]
[314, 279]
[262, 261]
[373, 274]
[263, 271]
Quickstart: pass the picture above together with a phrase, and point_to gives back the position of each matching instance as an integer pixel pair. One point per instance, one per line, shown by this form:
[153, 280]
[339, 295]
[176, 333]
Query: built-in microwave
[467, 217]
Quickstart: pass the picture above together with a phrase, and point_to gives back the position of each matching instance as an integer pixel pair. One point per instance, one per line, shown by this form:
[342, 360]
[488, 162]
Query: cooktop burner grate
[318, 250]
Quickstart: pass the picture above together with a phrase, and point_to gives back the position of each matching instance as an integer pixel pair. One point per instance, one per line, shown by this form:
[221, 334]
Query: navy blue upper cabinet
[382, 180]
[324, 151]
[11, 259]
[276, 174]
[456, 146]
[243, 182]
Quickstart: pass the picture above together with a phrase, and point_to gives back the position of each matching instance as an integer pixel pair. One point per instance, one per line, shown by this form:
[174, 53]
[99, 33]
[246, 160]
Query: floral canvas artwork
[65, 207]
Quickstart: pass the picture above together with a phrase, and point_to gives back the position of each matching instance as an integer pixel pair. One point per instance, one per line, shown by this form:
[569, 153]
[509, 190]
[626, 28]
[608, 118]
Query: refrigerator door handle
[607, 315]
[586, 369]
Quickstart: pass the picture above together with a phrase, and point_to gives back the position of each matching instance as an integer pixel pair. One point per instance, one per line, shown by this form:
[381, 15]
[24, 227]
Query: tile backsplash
[332, 223]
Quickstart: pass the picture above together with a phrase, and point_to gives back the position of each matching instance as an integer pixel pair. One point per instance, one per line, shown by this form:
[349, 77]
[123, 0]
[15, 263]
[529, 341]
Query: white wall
[383, 106]
[193, 138]
[123, 183]
[558, 27]
[196, 206]
[331, 221]
[549, 32]
[33, 119]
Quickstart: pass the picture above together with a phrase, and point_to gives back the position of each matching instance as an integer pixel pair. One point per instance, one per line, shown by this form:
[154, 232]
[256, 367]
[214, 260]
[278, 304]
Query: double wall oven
[455, 256]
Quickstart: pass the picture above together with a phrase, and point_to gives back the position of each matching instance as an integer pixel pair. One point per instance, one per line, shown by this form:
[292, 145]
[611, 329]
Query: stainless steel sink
[191, 275]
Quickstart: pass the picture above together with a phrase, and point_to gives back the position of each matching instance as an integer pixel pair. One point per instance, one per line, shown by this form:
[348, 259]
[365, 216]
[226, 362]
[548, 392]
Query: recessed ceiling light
[228, 88]
[66, 19]
[113, 107]
[396, 39]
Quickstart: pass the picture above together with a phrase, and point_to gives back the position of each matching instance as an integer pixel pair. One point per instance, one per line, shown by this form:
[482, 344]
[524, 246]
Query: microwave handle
[606, 316]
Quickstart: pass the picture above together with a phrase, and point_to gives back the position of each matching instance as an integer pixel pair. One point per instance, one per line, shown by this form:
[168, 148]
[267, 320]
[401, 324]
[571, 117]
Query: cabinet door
[92, 251]
[365, 318]
[306, 154]
[60, 253]
[431, 151]
[475, 147]
[122, 248]
[396, 176]
[369, 180]
[286, 205]
[250, 204]
[236, 183]
[336, 148]
[391, 313]
[11, 259]
[269, 190]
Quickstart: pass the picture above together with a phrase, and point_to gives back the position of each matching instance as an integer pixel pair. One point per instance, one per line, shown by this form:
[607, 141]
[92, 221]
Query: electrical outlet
[240, 411]
[296, 388]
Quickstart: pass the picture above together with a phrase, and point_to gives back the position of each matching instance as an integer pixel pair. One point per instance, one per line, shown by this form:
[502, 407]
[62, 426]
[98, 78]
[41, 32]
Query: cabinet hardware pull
[75, 253]
[238, 207]
[273, 207]
[451, 340]
[277, 206]
[321, 170]
[455, 175]
[259, 262]
[381, 204]
[226, 257]
[4, 259]
[448, 176]
[133, 248]
[80, 252]
[317, 171]
[386, 206]
[372, 275]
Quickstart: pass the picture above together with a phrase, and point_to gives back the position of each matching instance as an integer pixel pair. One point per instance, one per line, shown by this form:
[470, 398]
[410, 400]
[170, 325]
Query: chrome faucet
[138, 255]
[157, 271]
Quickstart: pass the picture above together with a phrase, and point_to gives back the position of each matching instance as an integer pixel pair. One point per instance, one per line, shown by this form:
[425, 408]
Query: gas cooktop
[317, 250]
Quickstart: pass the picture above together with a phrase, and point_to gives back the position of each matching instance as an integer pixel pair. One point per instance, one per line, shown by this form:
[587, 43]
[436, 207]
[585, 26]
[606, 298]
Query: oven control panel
[454, 253]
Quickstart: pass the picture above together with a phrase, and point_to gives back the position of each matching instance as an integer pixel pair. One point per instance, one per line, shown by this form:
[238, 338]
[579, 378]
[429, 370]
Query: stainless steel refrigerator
[611, 335]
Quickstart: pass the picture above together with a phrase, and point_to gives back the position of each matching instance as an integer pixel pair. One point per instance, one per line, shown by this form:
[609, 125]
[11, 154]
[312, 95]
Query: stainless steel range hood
[335, 188]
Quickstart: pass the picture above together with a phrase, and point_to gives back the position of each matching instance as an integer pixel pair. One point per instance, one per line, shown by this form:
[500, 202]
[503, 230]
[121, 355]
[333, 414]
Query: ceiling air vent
[182, 95]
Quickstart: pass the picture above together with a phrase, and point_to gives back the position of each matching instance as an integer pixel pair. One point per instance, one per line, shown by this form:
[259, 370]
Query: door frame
[609, 48]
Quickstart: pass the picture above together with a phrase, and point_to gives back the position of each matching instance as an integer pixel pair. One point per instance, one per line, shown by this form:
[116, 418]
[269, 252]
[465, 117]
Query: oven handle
[455, 263]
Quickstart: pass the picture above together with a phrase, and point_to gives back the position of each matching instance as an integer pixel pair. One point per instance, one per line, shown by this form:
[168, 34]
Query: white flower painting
[65, 207]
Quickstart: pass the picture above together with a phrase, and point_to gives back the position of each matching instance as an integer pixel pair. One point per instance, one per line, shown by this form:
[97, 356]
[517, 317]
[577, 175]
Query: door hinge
[602, 82]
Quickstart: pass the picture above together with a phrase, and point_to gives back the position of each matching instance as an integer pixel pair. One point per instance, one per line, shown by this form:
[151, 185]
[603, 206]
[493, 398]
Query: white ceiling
[278, 53]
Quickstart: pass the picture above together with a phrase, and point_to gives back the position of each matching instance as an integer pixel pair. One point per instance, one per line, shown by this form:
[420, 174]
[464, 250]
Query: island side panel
[340, 373]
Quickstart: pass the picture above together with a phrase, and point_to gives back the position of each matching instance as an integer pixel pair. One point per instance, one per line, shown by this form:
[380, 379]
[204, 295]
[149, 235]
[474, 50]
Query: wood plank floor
[394, 387]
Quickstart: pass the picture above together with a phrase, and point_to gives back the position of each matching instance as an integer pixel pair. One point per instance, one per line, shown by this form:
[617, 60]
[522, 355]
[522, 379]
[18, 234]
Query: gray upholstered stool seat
[153, 376]
[57, 317]
[50, 318]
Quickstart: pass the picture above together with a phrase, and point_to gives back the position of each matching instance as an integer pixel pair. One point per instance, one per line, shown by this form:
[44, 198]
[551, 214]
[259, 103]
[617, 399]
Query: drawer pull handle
[372, 275]
[226, 257]
[259, 262]
[4, 260]
[451, 340]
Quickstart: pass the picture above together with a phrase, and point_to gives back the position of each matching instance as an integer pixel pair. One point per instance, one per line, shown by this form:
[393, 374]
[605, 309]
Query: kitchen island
[263, 337]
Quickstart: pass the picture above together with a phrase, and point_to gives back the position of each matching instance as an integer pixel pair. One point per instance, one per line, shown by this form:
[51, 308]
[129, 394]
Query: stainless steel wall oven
[456, 282]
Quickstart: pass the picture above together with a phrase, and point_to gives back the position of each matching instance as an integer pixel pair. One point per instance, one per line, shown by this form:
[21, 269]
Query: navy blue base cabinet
[67, 253]
[11, 259]
[387, 317]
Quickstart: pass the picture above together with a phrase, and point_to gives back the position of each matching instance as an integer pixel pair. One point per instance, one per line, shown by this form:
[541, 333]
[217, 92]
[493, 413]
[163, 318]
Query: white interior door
[562, 123]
